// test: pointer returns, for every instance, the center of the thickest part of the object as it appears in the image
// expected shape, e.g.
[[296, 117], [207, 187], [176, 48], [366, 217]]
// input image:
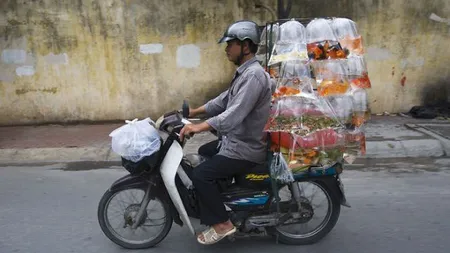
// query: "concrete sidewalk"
[[387, 137]]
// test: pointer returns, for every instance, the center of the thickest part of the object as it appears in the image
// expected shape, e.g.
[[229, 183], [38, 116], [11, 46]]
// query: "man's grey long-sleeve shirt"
[[240, 113]]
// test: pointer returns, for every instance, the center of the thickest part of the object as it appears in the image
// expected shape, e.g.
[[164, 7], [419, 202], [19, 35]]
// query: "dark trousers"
[[205, 176], [209, 149]]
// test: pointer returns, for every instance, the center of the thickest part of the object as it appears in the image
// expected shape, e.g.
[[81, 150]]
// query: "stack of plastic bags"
[[320, 103]]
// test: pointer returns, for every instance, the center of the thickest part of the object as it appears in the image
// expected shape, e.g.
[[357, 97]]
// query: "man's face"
[[233, 50]]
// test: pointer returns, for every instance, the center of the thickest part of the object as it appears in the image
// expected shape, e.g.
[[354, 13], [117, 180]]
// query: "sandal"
[[211, 236]]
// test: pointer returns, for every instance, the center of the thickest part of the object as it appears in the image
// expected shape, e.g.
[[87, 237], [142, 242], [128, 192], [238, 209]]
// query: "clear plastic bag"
[[302, 115], [331, 77], [324, 156], [322, 43], [269, 37], [357, 72], [322, 148], [291, 44], [293, 32], [347, 35], [343, 106], [274, 71], [355, 144], [319, 30], [326, 50], [135, 140], [308, 131], [361, 111], [279, 169], [295, 77]]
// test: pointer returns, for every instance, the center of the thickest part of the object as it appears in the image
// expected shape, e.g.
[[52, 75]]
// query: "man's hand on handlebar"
[[191, 129]]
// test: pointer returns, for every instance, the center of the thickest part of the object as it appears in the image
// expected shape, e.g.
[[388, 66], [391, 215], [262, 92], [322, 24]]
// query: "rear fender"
[[334, 184]]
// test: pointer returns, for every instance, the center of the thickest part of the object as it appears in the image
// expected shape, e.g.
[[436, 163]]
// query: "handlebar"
[[174, 121]]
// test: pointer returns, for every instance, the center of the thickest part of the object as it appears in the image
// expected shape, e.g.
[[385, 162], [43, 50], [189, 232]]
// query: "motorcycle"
[[158, 191]]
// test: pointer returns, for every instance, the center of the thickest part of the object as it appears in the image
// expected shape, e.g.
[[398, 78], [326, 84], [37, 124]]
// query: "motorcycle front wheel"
[[116, 215]]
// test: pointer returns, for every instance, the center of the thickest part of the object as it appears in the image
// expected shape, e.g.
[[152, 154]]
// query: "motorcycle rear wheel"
[[330, 220]]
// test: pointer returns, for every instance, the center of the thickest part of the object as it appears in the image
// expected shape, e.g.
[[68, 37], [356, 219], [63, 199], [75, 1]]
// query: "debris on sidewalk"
[[441, 111]]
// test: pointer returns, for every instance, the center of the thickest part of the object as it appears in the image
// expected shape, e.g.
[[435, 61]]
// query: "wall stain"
[[403, 81], [53, 90]]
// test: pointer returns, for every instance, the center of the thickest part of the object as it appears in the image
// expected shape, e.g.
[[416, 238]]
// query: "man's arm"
[[217, 105], [196, 111], [243, 102], [213, 107]]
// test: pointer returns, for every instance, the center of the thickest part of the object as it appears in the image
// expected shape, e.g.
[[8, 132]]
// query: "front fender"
[[129, 181]]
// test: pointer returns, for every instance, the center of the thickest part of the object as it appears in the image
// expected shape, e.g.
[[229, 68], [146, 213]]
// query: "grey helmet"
[[242, 30]]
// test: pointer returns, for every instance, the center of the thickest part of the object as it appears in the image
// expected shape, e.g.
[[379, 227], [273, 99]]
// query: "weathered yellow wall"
[[407, 53], [70, 60]]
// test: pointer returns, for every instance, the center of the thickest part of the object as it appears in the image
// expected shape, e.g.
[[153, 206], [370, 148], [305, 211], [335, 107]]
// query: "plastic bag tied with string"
[[280, 171], [343, 107], [268, 38], [294, 78], [322, 43], [360, 110], [274, 71], [331, 77], [329, 148], [135, 140], [357, 73], [291, 44], [355, 145], [347, 35]]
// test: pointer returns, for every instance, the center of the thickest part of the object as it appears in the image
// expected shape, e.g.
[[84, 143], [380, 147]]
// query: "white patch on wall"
[[436, 18], [57, 58], [151, 48], [7, 76], [412, 63], [378, 54], [25, 71], [188, 56], [14, 56]]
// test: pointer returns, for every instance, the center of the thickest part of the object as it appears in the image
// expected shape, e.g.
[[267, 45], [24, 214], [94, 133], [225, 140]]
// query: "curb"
[[444, 142], [375, 149], [57, 155], [404, 149]]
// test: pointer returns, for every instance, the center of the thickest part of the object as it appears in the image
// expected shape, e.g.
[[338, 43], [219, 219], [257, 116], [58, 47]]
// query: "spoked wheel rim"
[[121, 210], [316, 197]]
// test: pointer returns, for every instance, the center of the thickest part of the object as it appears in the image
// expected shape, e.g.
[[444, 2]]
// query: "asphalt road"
[[397, 206]]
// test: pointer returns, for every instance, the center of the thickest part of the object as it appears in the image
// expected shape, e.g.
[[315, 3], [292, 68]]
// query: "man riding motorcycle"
[[239, 114]]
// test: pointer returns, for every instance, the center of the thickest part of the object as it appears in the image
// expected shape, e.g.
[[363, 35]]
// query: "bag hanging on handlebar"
[[135, 140]]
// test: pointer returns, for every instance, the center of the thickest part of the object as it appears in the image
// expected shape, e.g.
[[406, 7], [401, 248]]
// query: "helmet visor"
[[225, 39]]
